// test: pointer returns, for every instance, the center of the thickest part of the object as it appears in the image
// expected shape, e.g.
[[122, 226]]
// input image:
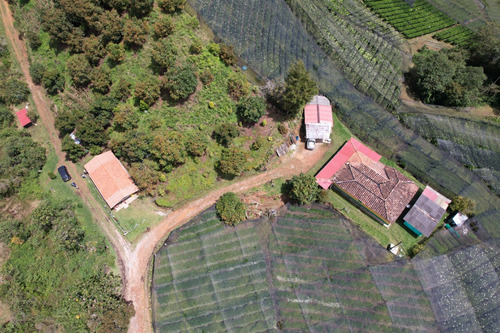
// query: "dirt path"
[[42, 104], [137, 269], [134, 262]]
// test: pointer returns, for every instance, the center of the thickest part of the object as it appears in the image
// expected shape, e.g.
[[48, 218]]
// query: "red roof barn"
[[22, 115], [356, 171]]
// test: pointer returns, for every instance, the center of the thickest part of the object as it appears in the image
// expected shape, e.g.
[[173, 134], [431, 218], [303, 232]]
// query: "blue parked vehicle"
[[63, 171]]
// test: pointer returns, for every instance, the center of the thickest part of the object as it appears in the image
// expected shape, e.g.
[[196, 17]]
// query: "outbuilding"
[[24, 120], [111, 178], [426, 213], [318, 119]]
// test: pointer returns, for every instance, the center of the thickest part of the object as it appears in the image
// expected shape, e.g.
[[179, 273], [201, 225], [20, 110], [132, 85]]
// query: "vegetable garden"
[[466, 12], [456, 35], [412, 21]]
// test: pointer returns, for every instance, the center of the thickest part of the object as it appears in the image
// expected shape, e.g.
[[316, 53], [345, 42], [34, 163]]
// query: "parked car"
[[63, 171], [310, 144]]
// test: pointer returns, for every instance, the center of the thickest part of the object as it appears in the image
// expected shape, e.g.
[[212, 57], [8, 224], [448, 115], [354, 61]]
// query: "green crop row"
[[457, 35], [412, 21]]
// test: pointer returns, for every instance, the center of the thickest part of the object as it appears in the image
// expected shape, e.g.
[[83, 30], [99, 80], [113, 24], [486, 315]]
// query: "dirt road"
[[42, 104], [134, 261]]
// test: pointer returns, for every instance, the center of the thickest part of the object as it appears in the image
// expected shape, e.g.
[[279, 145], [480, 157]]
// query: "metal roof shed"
[[318, 119]]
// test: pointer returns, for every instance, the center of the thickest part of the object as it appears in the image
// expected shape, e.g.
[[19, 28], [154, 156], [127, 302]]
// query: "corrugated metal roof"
[[425, 215], [111, 178], [22, 115]]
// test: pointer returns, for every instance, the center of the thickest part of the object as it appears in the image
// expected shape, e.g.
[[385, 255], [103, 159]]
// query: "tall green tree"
[[232, 162], [230, 209], [303, 189], [299, 89], [79, 69]]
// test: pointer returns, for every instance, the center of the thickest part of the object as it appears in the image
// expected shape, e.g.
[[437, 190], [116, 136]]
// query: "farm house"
[[318, 120], [426, 213], [24, 120], [111, 178], [356, 172]]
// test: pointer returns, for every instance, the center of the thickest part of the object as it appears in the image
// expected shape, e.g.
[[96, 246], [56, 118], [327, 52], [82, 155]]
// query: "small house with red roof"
[[318, 119], [111, 178], [22, 115], [427, 212], [357, 173]]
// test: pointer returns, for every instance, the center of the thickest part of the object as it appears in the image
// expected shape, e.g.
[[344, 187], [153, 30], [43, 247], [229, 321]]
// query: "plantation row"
[[467, 12], [412, 21], [457, 35], [345, 31]]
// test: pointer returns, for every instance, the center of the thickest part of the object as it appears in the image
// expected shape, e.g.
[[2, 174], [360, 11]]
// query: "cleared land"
[[310, 270]]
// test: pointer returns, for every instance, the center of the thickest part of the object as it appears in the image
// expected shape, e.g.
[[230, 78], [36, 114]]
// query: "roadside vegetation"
[[57, 268]]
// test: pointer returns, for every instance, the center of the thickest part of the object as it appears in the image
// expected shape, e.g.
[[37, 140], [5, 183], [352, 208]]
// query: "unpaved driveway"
[[134, 262]]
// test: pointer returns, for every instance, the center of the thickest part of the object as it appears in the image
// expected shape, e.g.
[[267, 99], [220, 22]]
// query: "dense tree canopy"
[[251, 109], [444, 78], [79, 69], [464, 205], [225, 133], [171, 6], [230, 209], [163, 54], [233, 162], [148, 90], [303, 189], [299, 89], [181, 83]]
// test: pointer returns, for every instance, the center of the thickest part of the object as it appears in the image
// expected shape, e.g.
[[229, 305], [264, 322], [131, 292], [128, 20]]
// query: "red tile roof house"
[[318, 119], [356, 172], [111, 178], [22, 115]]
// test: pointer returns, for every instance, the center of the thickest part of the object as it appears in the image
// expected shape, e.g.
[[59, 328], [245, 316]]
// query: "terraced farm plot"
[[470, 13], [456, 35], [360, 43], [412, 21]]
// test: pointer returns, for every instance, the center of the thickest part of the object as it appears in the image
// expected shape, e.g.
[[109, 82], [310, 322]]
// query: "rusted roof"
[[22, 115], [356, 170], [111, 178]]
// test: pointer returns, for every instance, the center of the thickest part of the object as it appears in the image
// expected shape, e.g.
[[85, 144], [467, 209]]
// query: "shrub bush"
[[182, 83], [171, 6], [36, 72], [302, 189], [251, 109], [230, 209], [227, 55], [225, 133], [164, 26]]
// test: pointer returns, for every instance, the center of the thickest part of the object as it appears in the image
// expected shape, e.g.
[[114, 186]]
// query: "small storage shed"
[[22, 115], [111, 178], [318, 119], [426, 213]]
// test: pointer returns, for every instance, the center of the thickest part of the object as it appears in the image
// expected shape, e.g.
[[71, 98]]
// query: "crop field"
[[359, 42], [463, 288], [270, 48], [311, 270], [456, 35], [412, 21], [467, 12], [473, 143]]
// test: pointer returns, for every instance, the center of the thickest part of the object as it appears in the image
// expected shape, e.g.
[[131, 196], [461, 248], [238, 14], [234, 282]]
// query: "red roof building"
[[111, 178], [318, 119], [356, 171], [22, 115]]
